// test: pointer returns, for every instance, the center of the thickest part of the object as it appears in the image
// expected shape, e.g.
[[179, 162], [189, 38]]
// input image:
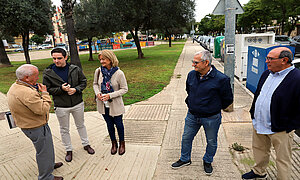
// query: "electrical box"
[[242, 41], [257, 63]]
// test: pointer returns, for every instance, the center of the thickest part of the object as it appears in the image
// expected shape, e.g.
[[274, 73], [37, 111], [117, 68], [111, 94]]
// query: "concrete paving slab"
[[153, 141], [148, 112]]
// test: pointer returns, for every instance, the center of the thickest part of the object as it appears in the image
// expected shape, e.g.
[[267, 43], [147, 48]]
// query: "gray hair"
[[205, 55], [25, 70], [287, 54]]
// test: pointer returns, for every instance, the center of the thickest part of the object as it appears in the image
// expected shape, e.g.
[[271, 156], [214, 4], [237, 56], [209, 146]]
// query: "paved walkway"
[[153, 130]]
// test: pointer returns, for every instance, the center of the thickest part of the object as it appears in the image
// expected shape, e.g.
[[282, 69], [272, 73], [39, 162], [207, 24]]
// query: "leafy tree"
[[172, 15], [67, 8], [4, 60], [88, 17], [19, 17], [282, 10], [135, 15], [255, 16], [38, 39], [212, 24]]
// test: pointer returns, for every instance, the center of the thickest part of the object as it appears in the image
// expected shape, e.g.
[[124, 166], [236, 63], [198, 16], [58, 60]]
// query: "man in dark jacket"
[[65, 82], [275, 114], [208, 91]]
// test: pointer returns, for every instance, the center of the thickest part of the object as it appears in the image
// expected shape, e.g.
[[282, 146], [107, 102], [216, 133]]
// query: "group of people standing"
[[30, 102], [274, 112], [275, 108]]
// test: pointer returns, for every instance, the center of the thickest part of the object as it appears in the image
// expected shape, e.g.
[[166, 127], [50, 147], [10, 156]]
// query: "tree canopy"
[[173, 15], [19, 17]]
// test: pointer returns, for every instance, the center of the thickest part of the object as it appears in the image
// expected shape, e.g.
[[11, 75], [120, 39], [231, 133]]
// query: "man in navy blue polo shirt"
[[208, 91]]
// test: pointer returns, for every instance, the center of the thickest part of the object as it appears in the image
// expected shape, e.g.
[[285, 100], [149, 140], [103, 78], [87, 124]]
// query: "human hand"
[[71, 91], [104, 97], [98, 96], [42, 87], [65, 86]]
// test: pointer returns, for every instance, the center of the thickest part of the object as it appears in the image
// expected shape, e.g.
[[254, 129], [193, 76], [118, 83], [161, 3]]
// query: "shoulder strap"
[[98, 73]]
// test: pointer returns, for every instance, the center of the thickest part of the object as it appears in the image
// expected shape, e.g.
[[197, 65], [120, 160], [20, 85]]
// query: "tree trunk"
[[4, 60], [137, 43], [25, 42], [95, 47], [283, 20], [90, 49], [67, 7], [169, 36]]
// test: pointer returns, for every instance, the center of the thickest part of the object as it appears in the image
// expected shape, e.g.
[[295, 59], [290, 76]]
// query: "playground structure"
[[112, 43]]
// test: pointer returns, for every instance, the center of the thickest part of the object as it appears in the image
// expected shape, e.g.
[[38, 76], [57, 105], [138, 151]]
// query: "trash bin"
[[217, 46], [257, 63], [296, 63]]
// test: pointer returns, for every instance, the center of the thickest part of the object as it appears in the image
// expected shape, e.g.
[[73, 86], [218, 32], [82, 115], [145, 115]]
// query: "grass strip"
[[145, 77]]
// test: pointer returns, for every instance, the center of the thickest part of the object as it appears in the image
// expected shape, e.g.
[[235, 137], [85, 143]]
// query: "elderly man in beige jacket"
[[29, 104]]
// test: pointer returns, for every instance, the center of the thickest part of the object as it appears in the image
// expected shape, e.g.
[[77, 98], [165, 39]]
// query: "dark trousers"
[[41, 138], [111, 122]]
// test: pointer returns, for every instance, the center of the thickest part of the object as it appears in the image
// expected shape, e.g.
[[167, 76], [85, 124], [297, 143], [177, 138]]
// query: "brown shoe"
[[69, 156], [114, 147], [58, 165], [122, 148], [89, 149], [58, 178]]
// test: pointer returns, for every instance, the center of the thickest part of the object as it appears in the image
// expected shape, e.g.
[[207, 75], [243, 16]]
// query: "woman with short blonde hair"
[[108, 54]]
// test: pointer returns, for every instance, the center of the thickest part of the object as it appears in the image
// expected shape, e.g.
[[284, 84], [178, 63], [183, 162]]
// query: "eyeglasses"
[[196, 62], [272, 59]]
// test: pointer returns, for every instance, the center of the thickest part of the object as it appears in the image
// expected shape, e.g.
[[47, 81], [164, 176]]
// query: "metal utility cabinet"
[[242, 41], [257, 63]]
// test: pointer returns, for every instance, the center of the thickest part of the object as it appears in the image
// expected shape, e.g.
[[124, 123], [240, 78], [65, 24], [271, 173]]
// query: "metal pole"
[[229, 61]]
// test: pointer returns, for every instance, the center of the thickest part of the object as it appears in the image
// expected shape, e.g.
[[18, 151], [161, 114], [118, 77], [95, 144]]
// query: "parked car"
[[282, 39], [285, 40], [15, 46], [22, 49], [296, 44], [296, 38], [211, 44], [62, 45], [205, 42], [44, 46]]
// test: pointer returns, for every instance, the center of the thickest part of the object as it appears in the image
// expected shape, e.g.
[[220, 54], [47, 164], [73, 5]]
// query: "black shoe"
[[180, 164], [208, 168], [68, 157], [58, 165], [89, 149], [252, 175]]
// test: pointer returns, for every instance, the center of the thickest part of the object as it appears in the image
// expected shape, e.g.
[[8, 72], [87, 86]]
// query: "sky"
[[203, 7]]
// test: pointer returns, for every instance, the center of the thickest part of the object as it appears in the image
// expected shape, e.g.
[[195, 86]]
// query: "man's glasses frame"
[[272, 59], [197, 62]]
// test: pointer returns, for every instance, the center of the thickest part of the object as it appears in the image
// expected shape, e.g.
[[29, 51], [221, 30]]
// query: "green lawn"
[[145, 77]]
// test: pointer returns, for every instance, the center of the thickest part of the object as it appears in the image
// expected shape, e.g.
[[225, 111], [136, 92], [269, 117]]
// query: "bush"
[[129, 36]]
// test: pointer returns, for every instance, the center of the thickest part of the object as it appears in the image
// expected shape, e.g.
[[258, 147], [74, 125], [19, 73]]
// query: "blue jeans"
[[111, 122], [192, 125]]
